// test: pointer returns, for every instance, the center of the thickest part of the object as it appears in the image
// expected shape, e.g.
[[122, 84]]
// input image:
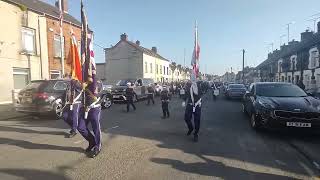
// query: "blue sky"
[[225, 27]]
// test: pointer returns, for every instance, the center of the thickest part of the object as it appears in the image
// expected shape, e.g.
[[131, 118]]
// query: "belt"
[[93, 105]]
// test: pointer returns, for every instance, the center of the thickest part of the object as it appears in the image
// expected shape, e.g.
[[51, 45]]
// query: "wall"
[[10, 48], [101, 71], [53, 28], [154, 75], [123, 62]]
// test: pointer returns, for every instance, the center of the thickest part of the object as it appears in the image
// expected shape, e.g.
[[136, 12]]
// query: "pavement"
[[140, 145]]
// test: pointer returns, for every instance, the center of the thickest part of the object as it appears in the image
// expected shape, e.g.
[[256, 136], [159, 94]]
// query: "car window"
[[60, 86]]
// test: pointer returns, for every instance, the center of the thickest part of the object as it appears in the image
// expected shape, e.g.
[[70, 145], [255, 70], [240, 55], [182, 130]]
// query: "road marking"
[[78, 142], [309, 171], [281, 162], [113, 127]]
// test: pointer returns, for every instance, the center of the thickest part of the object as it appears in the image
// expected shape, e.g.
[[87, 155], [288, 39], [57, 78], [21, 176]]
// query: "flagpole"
[[61, 38]]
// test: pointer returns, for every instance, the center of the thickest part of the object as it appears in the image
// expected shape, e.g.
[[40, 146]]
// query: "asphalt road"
[[140, 145]]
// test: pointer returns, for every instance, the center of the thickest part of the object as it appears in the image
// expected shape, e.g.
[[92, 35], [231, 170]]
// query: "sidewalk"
[[8, 112]]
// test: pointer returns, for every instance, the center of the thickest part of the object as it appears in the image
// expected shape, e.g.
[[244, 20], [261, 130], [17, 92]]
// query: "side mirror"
[[310, 94]]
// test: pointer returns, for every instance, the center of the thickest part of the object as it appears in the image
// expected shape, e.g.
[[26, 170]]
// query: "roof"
[[45, 8], [292, 49], [146, 51]]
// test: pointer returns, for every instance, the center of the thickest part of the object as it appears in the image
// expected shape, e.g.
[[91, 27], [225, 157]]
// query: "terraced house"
[[30, 43], [294, 62]]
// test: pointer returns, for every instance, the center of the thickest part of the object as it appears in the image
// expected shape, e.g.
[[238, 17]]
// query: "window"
[[160, 69], [55, 74], [157, 68], [164, 70], [20, 78], [151, 68], [167, 70], [280, 66], [60, 85], [314, 57], [57, 46], [146, 67], [28, 40]]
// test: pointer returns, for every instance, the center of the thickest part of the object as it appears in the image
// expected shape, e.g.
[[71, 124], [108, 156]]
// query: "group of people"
[[81, 108]]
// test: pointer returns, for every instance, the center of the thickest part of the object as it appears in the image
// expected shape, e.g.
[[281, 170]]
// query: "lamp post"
[[288, 28]]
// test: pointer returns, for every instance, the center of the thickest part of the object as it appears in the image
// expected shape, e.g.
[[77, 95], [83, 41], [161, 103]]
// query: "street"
[[140, 145]]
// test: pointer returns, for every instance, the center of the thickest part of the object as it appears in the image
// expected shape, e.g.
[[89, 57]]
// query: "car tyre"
[[58, 110], [254, 122], [106, 102]]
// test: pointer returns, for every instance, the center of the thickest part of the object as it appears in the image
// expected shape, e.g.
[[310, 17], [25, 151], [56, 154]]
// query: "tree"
[[173, 67]]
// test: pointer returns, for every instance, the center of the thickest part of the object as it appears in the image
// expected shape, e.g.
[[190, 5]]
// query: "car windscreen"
[[236, 86], [279, 90], [124, 82]]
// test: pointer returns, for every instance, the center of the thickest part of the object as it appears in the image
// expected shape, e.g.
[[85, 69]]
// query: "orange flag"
[[76, 71]]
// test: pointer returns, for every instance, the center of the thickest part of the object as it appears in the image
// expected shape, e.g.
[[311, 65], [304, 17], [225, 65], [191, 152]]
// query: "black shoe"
[[94, 152], [195, 138], [72, 134], [89, 148], [189, 132]]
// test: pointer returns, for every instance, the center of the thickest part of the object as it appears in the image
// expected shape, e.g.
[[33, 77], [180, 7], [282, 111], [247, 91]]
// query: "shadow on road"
[[30, 145], [31, 174], [24, 130]]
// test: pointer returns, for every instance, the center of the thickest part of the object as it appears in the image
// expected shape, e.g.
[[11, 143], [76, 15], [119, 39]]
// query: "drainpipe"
[[40, 54]]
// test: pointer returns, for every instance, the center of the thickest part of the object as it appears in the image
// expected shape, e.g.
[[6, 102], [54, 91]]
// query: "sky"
[[225, 27]]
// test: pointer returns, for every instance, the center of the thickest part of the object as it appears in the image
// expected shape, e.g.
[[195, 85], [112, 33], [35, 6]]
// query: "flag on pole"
[[76, 69], [195, 57]]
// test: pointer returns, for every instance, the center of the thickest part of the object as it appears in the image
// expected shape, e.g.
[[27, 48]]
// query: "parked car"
[[235, 91], [139, 87], [45, 97], [281, 105], [39, 97]]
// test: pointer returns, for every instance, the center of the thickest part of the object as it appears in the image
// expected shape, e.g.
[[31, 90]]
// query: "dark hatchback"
[[281, 105], [38, 97]]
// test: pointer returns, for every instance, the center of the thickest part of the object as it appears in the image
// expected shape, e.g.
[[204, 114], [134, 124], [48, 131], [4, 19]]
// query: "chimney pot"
[[154, 49], [64, 4], [138, 42], [124, 37]]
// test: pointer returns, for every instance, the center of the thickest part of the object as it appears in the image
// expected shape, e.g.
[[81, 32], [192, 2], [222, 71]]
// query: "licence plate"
[[27, 100], [298, 124], [116, 96]]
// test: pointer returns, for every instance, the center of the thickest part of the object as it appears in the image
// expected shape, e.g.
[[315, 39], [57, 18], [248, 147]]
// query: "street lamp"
[[288, 27]]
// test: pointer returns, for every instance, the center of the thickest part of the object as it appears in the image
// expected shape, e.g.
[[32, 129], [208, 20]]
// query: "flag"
[[195, 57], [76, 69], [87, 59]]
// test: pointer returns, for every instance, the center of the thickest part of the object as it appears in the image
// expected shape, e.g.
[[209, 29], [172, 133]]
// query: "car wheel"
[[58, 110], [254, 122], [106, 103]]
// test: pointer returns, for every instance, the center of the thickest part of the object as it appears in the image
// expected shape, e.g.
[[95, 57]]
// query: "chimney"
[[138, 42], [306, 35], [64, 5], [124, 37], [154, 49]]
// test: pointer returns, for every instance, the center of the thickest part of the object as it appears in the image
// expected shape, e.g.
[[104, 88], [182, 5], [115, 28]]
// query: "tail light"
[[41, 95]]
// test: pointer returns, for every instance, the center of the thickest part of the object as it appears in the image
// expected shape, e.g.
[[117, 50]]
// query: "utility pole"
[[243, 51], [288, 28]]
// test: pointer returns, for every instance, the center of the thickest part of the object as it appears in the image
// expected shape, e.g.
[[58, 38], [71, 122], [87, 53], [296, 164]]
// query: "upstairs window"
[[28, 40], [146, 67], [151, 68]]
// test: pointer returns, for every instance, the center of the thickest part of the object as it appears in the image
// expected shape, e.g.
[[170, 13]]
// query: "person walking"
[[165, 98], [151, 92], [192, 102], [129, 97], [72, 100]]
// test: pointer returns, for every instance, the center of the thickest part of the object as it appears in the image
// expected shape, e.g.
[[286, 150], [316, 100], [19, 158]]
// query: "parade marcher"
[[165, 98], [151, 92], [193, 107], [72, 101], [129, 97]]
